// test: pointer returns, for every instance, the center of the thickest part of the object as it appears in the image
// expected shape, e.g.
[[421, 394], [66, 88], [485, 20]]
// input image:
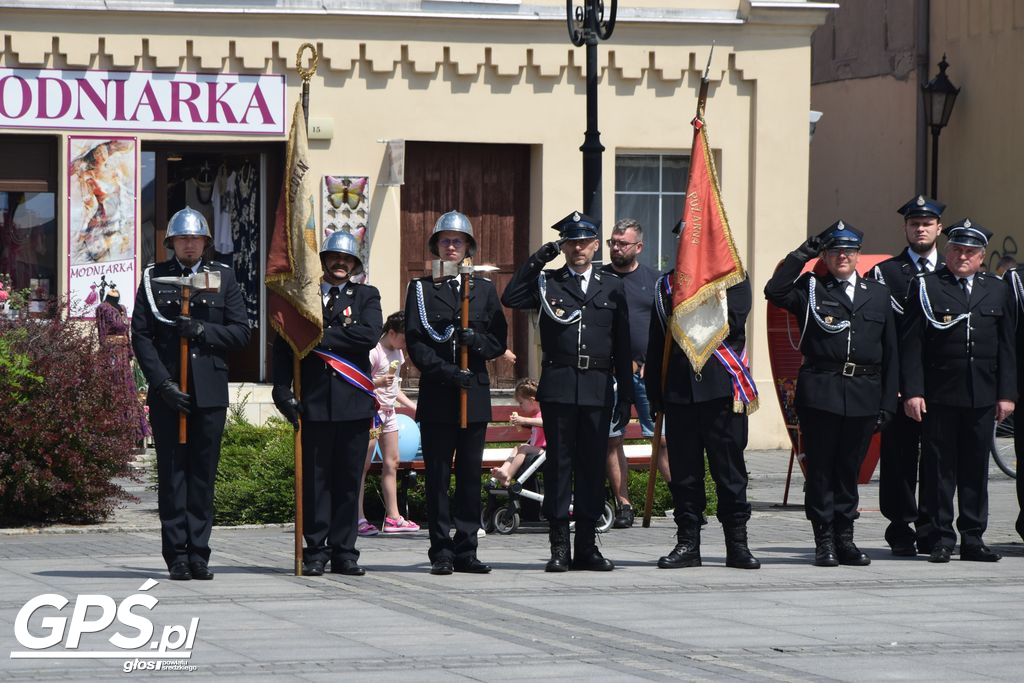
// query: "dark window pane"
[[643, 208], [672, 211], [636, 173], [28, 242], [673, 173]]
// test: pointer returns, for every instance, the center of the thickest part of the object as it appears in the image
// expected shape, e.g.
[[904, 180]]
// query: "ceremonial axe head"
[[445, 269], [206, 281]]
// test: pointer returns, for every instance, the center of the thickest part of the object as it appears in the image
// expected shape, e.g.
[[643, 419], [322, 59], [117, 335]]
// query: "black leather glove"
[[655, 405], [465, 379], [466, 337], [884, 418], [623, 411], [173, 396], [287, 404], [810, 248], [189, 328], [549, 252]]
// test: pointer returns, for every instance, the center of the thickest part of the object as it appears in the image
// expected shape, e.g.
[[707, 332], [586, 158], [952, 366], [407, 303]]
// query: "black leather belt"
[[580, 362], [846, 369]]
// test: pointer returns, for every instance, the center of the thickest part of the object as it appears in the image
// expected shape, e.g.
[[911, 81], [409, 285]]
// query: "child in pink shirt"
[[386, 361], [526, 396]]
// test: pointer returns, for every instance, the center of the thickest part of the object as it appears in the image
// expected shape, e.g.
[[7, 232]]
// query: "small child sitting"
[[526, 396]]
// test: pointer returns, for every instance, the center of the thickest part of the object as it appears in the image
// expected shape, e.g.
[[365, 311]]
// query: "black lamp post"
[[587, 25], [939, 97]]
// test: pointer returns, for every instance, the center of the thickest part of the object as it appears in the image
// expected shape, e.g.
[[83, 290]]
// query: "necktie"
[[923, 266], [186, 271], [332, 299], [579, 281], [454, 284], [964, 287], [847, 289]]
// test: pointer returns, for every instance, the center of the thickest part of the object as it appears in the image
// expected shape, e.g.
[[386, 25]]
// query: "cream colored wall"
[[515, 83], [981, 151], [862, 157]]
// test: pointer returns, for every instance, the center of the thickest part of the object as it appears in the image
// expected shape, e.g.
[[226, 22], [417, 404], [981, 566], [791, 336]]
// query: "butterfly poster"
[[346, 206]]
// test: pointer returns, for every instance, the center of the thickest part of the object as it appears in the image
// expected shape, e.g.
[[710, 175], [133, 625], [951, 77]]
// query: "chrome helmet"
[[343, 242], [187, 222], [455, 222]]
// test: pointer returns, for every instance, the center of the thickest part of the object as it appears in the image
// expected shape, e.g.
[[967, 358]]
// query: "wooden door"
[[491, 185]]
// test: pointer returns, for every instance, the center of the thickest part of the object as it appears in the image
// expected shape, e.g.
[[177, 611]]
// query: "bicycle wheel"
[[1003, 452], [607, 517]]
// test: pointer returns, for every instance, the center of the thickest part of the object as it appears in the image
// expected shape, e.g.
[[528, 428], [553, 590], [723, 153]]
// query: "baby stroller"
[[508, 505]]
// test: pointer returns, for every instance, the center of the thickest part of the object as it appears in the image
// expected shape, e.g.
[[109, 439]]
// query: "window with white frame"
[[650, 188]]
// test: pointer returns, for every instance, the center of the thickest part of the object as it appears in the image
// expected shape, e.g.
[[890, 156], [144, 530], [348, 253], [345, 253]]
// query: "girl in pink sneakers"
[[386, 361]]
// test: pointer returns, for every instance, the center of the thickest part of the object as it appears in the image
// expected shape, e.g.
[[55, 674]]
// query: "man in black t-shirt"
[[640, 283]]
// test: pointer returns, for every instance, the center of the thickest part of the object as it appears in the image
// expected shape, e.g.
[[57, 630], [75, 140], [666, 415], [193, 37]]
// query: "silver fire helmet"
[[455, 222], [185, 223], [343, 242]]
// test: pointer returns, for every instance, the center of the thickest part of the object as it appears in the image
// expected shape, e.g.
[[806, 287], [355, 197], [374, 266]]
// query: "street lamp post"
[[939, 97], [587, 25]]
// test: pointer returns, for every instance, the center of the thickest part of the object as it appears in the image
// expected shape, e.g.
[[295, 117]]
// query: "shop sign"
[[142, 101]]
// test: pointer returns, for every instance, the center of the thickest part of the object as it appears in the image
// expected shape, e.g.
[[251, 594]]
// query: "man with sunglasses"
[[639, 282], [848, 381]]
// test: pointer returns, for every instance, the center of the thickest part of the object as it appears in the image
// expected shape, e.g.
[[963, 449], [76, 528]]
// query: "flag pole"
[[652, 471], [305, 75]]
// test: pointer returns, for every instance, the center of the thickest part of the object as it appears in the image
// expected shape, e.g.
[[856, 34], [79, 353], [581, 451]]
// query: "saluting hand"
[[549, 252]]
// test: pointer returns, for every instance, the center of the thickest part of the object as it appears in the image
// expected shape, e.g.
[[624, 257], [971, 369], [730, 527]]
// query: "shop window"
[[28, 217], [651, 188]]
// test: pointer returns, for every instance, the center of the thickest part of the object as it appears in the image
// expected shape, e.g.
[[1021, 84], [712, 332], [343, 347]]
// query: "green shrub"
[[256, 476]]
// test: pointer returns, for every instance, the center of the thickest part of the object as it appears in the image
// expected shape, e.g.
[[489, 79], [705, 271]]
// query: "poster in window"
[[346, 206], [102, 185]]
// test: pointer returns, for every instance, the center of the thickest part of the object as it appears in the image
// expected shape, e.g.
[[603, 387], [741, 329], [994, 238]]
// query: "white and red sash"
[[353, 375]]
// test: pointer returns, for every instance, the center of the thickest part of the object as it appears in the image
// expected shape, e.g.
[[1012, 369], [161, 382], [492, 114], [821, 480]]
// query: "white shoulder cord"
[[542, 286], [926, 308], [148, 286], [1018, 288], [892, 299], [434, 334], [830, 328]]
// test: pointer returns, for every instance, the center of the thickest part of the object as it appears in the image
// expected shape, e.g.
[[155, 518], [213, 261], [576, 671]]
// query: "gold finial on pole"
[[305, 74]]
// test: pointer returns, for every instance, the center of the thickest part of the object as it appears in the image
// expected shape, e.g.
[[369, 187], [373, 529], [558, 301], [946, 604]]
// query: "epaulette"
[[870, 282]]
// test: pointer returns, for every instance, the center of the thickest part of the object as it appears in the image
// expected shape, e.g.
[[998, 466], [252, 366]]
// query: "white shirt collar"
[[931, 257], [586, 274], [194, 268]]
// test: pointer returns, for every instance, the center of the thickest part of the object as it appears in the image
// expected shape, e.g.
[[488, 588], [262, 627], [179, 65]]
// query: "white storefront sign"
[[142, 101]]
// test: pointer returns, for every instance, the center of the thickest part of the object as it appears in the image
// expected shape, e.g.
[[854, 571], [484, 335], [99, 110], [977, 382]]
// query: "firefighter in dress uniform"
[[900, 466], [216, 324], [704, 414], [847, 384], [433, 337], [584, 330], [337, 408], [959, 377]]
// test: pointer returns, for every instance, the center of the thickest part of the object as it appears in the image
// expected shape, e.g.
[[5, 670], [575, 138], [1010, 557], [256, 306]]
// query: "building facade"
[[115, 115]]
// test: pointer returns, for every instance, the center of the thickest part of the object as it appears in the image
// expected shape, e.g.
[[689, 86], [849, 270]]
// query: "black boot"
[[558, 535], [847, 551], [737, 554], [687, 550], [824, 546], [587, 556]]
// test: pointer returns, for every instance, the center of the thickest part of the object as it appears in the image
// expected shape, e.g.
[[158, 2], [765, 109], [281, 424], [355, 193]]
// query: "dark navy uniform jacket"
[[599, 340], [871, 340], [157, 344], [896, 273], [351, 332], [682, 386], [438, 361], [958, 366]]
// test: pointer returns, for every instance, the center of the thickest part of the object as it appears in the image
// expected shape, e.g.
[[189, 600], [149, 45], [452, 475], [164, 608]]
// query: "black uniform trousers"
[[956, 444], [834, 446], [185, 478], [1018, 451], [440, 440], [576, 453], [707, 427], [332, 466], [900, 469]]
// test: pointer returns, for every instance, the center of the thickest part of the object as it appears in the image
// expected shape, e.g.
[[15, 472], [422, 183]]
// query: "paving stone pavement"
[[899, 618]]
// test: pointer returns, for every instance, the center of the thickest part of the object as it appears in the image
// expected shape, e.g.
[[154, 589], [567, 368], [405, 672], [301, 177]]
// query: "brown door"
[[491, 185]]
